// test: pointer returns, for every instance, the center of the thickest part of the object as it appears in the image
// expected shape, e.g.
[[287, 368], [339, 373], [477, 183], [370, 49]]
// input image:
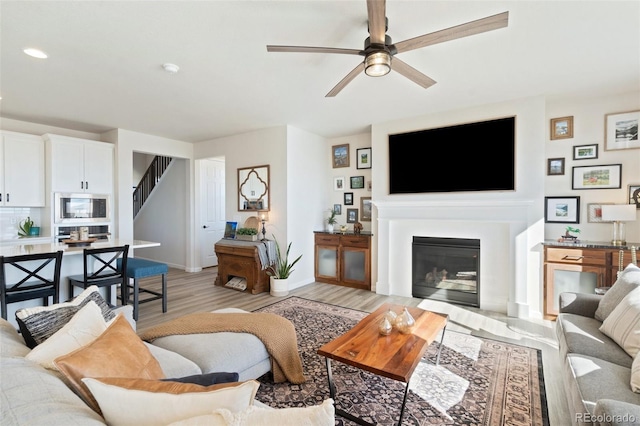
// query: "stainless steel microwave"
[[81, 208]]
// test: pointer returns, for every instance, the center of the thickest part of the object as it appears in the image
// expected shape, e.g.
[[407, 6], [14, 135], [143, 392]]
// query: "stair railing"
[[149, 181]]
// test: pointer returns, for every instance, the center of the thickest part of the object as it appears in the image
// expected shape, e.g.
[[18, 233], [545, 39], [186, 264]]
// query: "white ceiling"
[[104, 69]]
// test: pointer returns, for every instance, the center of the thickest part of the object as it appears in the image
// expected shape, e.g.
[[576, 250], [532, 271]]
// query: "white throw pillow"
[[123, 406], [623, 324], [83, 328], [318, 415], [635, 374]]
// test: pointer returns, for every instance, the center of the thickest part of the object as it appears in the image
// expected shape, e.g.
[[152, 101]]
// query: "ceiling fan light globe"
[[377, 64]]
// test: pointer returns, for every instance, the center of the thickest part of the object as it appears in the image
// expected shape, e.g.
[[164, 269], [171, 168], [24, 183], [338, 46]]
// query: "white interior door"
[[213, 209]]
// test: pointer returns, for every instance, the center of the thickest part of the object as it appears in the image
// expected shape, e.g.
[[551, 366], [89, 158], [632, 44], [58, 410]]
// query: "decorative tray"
[[79, 243]]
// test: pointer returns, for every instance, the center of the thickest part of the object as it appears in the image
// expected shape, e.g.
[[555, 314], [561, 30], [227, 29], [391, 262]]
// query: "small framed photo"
[[338, 209], [348, 198], [634, 194], [357, 182], [562, 209], [352, 215], [621, 131], [338, 183], [340, 155], [562, 128], [363, 158], [606, 176], [594, 212], [555, 166], [585, 152], [365, 208], [369, 185]]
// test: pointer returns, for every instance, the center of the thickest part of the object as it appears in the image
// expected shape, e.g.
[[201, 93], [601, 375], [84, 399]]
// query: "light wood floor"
[[195, 292]]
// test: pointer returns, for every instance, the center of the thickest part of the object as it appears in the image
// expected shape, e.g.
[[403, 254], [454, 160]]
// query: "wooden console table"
[[241, 259], [580, 267]]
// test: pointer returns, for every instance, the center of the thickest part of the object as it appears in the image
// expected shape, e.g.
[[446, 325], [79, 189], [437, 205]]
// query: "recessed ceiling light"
[[171, 68], [36, 53]]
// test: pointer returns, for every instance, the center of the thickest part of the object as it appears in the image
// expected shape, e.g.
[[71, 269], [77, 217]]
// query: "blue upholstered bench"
[[142, 268]]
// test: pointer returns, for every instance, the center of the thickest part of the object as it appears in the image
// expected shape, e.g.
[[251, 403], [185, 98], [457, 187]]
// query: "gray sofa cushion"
[[628, 280], [32, 395], [596, 379], [215, 352], [581, 335]]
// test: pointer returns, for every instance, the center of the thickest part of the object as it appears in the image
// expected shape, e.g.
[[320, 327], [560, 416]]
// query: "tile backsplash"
[[10, 218]]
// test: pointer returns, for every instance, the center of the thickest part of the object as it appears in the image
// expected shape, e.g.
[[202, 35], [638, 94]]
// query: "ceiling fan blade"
[[489, 23], [305, 49], [353, 74], [377, 20], [411, 73]]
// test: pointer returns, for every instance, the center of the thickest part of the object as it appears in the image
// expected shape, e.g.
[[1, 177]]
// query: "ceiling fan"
[[379, 51]]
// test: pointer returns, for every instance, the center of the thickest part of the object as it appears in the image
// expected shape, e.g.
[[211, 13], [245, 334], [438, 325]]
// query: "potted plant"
[[247, 234], [280, 270], [26, 228], [331, 220]]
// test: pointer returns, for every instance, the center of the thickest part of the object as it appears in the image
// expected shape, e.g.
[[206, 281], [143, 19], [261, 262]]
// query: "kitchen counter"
[[37, 247]]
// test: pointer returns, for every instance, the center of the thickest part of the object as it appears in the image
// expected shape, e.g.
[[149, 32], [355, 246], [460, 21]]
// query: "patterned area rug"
[[478, 382]]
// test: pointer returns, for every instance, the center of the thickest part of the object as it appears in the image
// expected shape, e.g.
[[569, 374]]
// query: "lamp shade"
[[618, 212]]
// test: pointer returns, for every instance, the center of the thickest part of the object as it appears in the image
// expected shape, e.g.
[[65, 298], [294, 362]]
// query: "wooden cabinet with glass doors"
[[343, 259]]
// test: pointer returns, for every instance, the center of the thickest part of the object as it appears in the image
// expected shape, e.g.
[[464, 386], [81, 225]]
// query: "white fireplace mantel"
[[509, 232]]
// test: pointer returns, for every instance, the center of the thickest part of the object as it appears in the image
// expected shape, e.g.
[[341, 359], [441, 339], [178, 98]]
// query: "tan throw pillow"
[[635, 374], [318, 415], [623, 323], [118, 352], [83, 328], [628, 281], [150, 402]]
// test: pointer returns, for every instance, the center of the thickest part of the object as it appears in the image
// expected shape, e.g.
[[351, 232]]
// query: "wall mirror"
[[253, 188]]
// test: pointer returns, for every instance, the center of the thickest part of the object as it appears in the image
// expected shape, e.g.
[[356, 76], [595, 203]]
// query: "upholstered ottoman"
[[241, 353]]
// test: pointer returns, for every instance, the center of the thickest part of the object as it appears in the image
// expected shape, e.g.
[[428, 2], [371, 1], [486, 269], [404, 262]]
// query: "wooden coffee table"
[[395, 356]]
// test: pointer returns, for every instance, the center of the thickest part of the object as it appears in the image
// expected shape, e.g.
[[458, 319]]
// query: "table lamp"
[[264, 217], [618, 214]]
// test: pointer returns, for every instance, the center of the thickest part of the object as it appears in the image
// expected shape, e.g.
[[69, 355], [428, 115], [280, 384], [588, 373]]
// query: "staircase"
[[149, 181]]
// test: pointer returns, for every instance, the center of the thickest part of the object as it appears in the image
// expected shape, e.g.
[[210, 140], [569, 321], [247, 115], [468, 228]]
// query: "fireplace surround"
[[446, 269]]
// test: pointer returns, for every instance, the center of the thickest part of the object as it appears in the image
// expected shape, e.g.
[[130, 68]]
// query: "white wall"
[[589, 128], [307, 178]]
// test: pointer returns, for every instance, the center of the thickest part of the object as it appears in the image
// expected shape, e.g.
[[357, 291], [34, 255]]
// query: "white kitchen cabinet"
[[80, 166], [22, 177]]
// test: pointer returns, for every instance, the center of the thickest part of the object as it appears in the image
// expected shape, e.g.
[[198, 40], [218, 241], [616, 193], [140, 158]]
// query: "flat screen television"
[[467, 157]]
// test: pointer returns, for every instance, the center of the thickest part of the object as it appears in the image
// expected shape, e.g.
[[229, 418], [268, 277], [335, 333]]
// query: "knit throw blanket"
[[276, 333]]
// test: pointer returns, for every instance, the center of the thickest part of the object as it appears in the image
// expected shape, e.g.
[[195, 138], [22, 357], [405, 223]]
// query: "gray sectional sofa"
[[32, 395], [596, 371]]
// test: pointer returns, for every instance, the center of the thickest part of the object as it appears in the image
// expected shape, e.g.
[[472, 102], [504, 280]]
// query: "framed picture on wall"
[[352, 215], [621, 131], [562, 209], [562, 128], [606, 176], [594, 212], [348, 198], [555, 166], [585, 152], [365, 208], [357, 182], [338, 183], [634, 194], [340, 155], [363, 157], [337, 208]]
